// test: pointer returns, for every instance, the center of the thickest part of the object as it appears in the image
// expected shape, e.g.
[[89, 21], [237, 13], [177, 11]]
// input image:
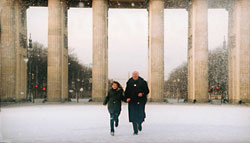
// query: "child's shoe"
[[112, 133], [135, 133]]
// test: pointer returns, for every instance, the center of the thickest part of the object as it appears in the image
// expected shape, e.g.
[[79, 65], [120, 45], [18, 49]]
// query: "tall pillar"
[[8, 50], [156, 49], [100, 49], [231, 52], [1, 5], [239, 51], [21, 49], [13, 50], [57, 51], [64, 12], [198, 51]]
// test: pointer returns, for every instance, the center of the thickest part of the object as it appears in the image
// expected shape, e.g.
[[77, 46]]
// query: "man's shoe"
[[116, 123], [139, 127]]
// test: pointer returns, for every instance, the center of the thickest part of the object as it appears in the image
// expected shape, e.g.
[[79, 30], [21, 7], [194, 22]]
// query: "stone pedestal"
[[198, 51], [100, 50], [156, 49]]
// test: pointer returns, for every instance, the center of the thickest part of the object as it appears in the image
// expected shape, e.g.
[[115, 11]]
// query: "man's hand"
[[140, 94], [128, 100]]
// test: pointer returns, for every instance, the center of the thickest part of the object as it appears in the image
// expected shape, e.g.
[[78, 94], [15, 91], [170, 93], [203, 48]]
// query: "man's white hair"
[[135, 72]]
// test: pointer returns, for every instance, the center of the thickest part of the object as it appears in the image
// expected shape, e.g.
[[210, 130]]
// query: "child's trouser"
[[113, 119]]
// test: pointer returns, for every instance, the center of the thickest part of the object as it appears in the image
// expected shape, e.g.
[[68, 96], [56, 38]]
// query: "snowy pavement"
[[80, 123]]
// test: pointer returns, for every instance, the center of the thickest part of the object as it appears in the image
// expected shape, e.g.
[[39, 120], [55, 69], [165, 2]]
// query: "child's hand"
[[140, 94], [128, 100]]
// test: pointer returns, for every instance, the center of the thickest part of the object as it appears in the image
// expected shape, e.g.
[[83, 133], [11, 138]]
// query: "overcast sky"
[[128, 36]]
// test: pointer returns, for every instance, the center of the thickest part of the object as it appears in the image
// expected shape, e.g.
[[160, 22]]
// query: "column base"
[[98, 99], [57, 100], [239, 101], [198, 100], [14, 100], [156, 100]]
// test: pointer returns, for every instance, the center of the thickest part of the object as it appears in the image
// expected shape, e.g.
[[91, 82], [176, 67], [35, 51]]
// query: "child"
[[113, 99]]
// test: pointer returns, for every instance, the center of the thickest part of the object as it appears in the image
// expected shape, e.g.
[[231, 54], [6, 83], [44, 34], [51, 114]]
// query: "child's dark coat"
[[114, 99]]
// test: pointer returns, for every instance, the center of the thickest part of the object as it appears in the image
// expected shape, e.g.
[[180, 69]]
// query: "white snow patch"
[[90, 123]]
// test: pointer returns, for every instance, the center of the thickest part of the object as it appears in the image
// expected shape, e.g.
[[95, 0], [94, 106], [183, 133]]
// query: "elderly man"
[[136, 95]]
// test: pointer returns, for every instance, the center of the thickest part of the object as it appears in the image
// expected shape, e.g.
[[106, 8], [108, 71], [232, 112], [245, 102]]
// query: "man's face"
[[135, 75]]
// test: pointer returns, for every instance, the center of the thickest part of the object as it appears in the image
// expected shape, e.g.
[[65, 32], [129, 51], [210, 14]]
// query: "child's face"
[[114, 86]]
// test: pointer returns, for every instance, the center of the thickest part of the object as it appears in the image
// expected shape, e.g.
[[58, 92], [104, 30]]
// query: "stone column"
[[231, 47], [198, 51], [190, 59], [1, 5], [13, 50], [57, 52], [21, 49], [100, 49], [8, 50], [65, 69], [156, 49], [239, 51]]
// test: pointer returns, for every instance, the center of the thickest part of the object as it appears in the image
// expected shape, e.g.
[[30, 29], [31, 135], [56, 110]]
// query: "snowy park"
[[87, 123]]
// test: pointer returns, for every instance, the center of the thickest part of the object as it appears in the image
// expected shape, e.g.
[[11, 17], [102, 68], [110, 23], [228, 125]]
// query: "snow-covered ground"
[[66, 123]]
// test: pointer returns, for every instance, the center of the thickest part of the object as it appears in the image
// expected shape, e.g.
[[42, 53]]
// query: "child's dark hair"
[[118, 84]]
